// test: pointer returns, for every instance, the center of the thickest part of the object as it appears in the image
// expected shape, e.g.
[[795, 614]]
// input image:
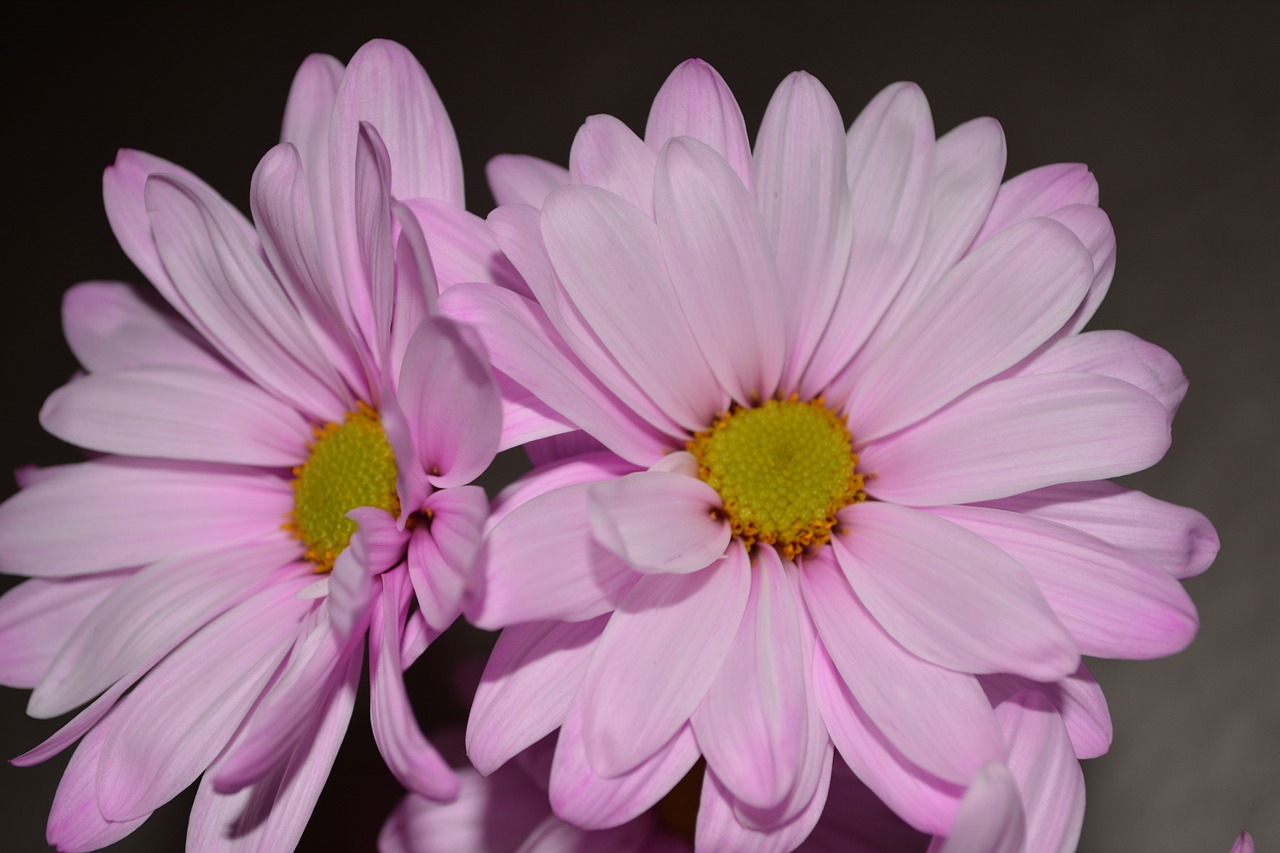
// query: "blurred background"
[[1176, 109]]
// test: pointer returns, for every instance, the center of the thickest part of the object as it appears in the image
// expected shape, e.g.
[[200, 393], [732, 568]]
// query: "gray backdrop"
[[1174, 108]]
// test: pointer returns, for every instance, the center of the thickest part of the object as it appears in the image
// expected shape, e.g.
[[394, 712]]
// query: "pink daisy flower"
[[282, 455], [851, 449]]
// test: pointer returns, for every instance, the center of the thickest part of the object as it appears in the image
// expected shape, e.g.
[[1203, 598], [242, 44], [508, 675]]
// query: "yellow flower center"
[[783, 469], [350, 465]]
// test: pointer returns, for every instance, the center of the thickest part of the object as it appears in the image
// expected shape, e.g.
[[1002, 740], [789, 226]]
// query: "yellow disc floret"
[[783, 469], [350, 465]]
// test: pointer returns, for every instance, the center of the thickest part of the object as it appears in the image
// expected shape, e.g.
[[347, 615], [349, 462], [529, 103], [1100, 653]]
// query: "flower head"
[[285, 445], [850, 449]]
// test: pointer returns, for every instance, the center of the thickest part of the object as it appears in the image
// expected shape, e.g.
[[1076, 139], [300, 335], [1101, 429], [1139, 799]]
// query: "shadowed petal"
[[34, 616], [521, 179], [658, 521], [991, 818], [110, 326]]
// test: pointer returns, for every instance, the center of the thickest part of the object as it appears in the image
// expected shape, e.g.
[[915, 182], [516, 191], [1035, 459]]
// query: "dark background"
[[1174, 108]]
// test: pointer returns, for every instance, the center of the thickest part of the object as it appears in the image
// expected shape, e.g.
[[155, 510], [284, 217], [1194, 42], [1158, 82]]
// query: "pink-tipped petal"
[[991, 818], [1178, 539], [592, 237], [722, 265], [75, 821], [420, 826], [719, 829], [234, 300], [1019, 434], [1243, 843], [462, 247], [968, 163], [1038, 192], [1046, 770], [385, 86], [307, 112], [1117, 354], [986, 314], [521, 179], [528, 686], [747, 725], [181, 716], [1079, 702], [658, 521], [608, 155], [110, 326], [149, 614], [802, 191], [658, 655], [523, 344], [271, 814], [921, 799], [541, 562], [177, 413], [34, 616], [889, 157], [950, 596], [584, 798], [939, 719], [132, 512], [695, 102], [1116, 605], [412, 760]]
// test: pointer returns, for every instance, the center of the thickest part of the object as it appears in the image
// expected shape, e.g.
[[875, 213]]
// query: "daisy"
[[281, 460], [851, 449]]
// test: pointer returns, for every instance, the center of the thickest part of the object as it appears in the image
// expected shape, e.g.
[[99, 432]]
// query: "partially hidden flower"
[[850, 458], [283, 444]]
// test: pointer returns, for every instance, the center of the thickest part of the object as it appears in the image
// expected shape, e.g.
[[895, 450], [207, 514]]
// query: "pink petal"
[[416, 292], [658, 655], [1019, 434], [308, 110], [1078, 699], [234, 300], [149, 614], [584, 798], [889, 152], [541, 562], [590, 467], [720, 830], [181, 716], [1038, 192], [75, 822], [1046, 770], [523, 345], [462, 247], [986, 314], [1093, 228], [921, 799], [271, 814], [386, 87], [521, 179], [284, 211], [938, 719], [109, 326], [803, 196], [368, 284], [456, 530], [528, 686], [1178, 539], [747, 725], [606, 154], [123, 189], [1116, 354], [608, 255], [695, 102], [991, 817], [1115, 604], [131, 512], [377, 545], [721, 263], [420, 826], [658, 521], [412, 760], [318, 664], [437, 586], [555, 836], [35, 617], [177, 413], [949, 596], [1243, 844], [451, 402], [968, 163]]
